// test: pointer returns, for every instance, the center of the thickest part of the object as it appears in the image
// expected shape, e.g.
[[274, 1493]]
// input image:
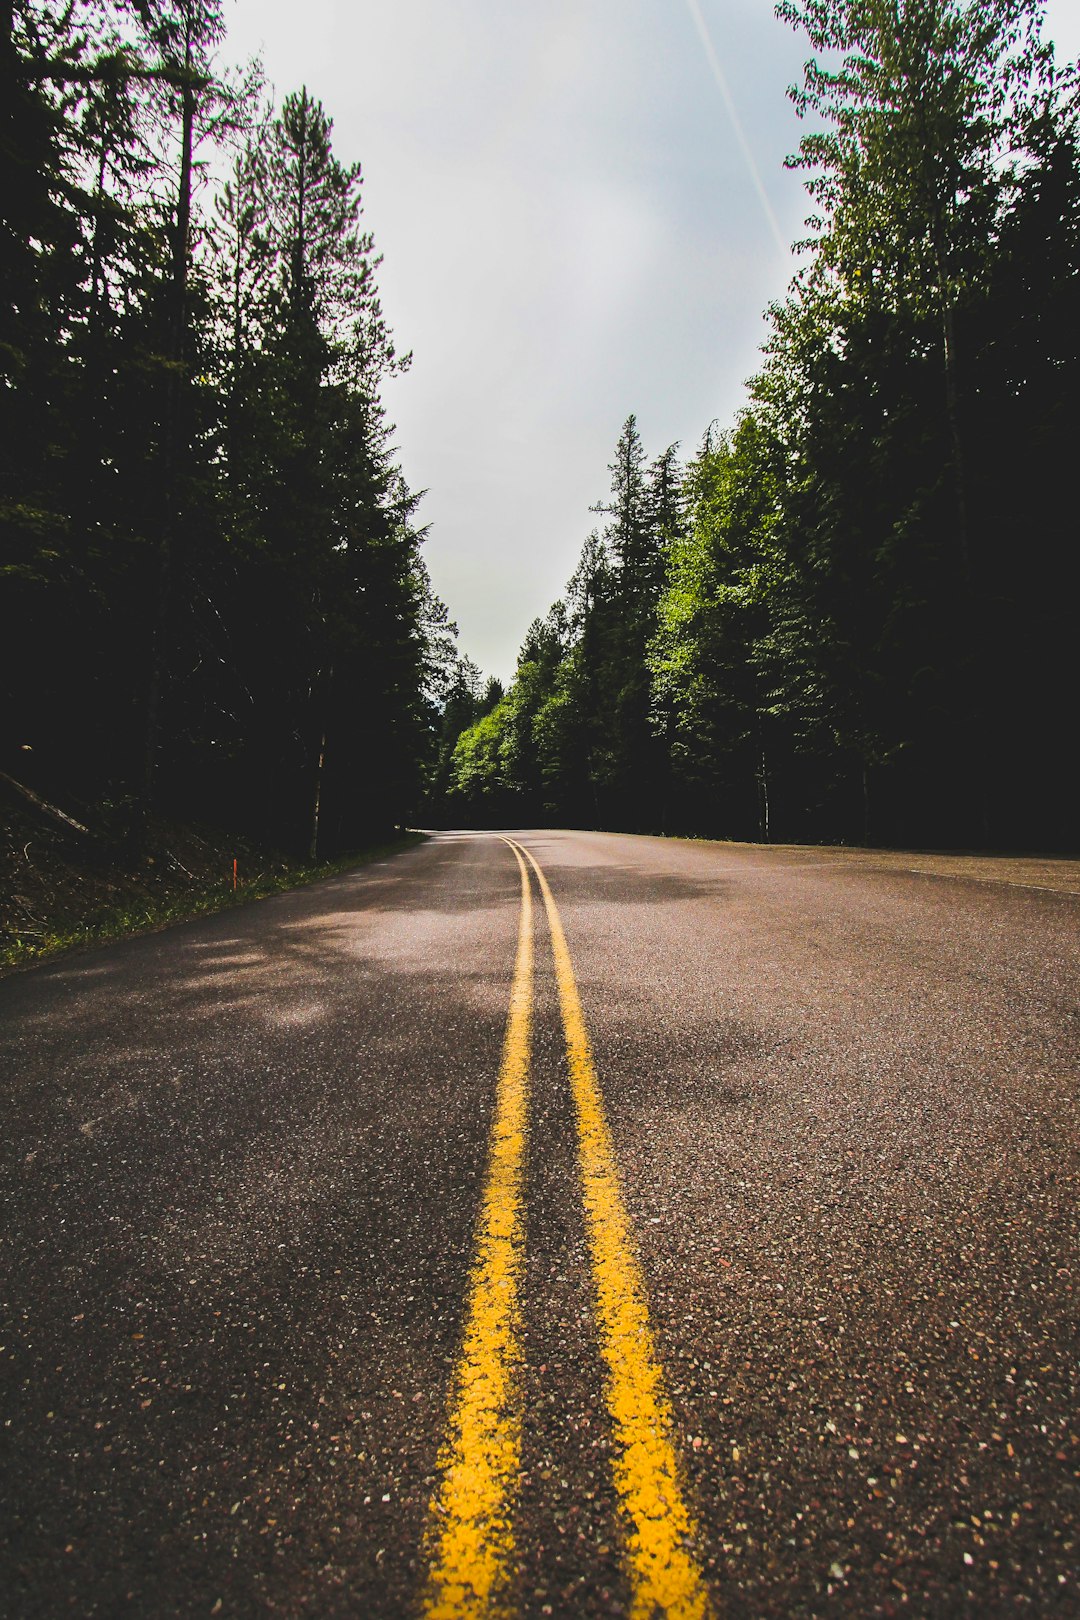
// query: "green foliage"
[[849, 618], [572, 739]]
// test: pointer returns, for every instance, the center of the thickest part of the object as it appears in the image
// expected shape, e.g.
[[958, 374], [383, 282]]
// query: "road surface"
[[559, 1224]]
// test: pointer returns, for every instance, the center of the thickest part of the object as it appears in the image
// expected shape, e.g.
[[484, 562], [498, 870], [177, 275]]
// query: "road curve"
[[552, 1224]]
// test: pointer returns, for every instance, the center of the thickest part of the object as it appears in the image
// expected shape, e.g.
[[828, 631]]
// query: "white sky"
[[579, 205]]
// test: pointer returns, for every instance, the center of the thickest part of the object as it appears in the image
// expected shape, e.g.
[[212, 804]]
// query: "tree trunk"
[[763, 798], [972, 715], [300, 246], [95, 246], [8, 74], [177, 343], [313, 847]]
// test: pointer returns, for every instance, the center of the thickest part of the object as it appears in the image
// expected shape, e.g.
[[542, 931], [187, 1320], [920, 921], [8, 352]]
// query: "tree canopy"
[[849, 616], [846, 615], [214, 602]]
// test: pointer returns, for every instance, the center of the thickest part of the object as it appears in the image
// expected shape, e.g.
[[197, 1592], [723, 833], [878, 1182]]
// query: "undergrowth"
[[59, 895]]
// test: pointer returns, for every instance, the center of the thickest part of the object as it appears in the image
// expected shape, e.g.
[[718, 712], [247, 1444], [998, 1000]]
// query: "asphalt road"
[[344, 1263]]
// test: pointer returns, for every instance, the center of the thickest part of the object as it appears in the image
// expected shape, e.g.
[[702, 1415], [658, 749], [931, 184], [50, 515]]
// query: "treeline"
[[853, 615], [213, 601]]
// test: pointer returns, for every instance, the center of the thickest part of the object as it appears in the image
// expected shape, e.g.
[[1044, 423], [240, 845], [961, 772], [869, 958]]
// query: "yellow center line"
[[470, 1531], [665, 1577]]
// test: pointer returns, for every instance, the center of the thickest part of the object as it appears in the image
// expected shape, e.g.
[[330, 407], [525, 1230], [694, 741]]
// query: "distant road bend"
[[553, 1223]]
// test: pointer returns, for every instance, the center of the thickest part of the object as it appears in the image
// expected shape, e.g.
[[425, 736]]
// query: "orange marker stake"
[[234, 874]]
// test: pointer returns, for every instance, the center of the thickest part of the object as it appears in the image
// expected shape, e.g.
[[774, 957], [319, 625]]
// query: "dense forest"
[[848, 616], [213, 601], [851, 615]]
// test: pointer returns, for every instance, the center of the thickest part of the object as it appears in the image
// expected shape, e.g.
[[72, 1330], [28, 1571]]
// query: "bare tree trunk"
[[313, 847]]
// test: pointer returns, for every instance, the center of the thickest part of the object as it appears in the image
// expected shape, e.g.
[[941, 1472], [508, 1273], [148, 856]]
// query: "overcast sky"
[[584, 212]]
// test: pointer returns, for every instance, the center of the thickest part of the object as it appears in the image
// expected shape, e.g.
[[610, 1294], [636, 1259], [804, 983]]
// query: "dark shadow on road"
[[240, 1177], [277, 947]]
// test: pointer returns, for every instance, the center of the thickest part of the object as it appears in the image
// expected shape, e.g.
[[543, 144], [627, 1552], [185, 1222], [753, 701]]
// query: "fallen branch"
[[43, 804]]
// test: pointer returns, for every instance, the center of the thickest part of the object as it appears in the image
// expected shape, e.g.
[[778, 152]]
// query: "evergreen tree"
[[925, 123], [198, 495]]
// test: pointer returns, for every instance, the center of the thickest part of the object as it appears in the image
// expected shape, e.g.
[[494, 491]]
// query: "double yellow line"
[[471, 1535]]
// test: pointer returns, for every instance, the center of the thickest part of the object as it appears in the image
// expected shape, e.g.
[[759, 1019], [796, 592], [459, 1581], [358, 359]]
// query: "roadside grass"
[[182, 899]]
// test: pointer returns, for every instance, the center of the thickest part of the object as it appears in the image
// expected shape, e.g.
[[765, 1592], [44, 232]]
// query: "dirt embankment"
[[66, 881]]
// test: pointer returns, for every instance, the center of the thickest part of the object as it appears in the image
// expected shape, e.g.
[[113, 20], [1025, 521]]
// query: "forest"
[[213, 602], [850, 615], [846, 616]]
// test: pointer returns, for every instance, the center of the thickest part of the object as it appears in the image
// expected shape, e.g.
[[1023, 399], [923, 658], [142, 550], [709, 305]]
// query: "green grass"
[[149, 914]]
